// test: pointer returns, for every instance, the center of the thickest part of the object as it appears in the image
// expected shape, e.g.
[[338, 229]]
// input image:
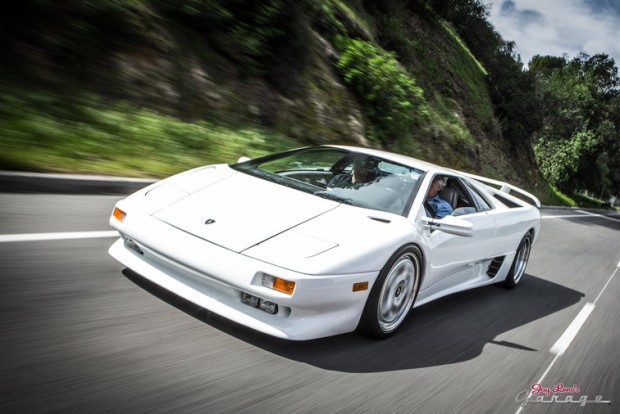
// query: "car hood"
[[241, 211], [347, 239]]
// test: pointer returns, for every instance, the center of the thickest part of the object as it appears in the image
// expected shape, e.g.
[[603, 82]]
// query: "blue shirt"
[[442, 207]]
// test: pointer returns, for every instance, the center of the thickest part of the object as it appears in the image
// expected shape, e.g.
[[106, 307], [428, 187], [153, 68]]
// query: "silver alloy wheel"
[[398, 292], [522, 257]]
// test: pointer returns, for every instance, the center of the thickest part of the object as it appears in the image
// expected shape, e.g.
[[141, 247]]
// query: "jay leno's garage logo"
[[558, 394]]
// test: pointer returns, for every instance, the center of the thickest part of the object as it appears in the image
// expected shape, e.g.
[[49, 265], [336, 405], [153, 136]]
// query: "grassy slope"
[[453, 82], [83, 132], [44, 132]]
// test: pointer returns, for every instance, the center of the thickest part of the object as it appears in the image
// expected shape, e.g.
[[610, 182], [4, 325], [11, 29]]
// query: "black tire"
[[393, 294], [517, 270]]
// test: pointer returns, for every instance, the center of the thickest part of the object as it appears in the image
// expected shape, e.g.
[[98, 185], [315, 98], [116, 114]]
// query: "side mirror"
[[450, 225], [242, 159]]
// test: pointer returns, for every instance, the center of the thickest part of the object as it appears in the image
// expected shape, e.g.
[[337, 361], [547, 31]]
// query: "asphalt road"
[[79, 335]]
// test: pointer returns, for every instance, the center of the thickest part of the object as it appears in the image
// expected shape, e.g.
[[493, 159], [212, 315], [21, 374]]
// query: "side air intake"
[[495, 265]]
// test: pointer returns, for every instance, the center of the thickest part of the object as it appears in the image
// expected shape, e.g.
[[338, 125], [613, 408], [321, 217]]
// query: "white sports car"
[[324, 240]]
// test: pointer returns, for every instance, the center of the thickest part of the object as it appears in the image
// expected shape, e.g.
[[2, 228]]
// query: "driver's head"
[[437, 185], [363, 167]]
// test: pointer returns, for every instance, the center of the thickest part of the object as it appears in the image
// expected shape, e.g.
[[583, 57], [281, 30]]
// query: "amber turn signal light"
[[360, 286], [119, 214], [283, 285], [278, 284]]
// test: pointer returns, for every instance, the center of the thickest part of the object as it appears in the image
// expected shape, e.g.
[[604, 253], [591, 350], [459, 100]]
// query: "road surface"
[[79, 335]]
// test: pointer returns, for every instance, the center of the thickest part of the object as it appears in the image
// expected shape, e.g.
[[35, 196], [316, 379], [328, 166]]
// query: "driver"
[[435, 206], [364, 171]]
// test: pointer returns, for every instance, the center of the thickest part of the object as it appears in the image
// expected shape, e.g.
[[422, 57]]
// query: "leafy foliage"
[[393, 102], [513, 93], [568, 109], [512, 89], [578, 148], [560, 159]]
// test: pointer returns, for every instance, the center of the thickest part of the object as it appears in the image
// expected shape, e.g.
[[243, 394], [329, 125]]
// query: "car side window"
[[481, 203]]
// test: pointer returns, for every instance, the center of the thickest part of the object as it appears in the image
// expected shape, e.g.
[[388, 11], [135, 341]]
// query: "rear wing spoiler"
[[506, 188]]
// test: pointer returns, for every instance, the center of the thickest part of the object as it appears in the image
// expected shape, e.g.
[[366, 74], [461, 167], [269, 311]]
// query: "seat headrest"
[[450, 195]]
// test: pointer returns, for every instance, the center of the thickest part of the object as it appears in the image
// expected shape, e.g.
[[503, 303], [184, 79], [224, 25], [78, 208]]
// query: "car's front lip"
[[214, 278]]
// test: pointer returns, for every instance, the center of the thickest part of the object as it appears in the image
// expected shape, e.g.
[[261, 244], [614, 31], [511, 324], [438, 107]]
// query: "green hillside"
[[149, 87]]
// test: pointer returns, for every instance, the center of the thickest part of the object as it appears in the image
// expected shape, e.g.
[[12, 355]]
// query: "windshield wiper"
[[334, 197]]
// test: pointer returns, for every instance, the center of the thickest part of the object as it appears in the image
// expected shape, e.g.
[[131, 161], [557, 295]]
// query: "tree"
[[578, 146], [512, 89]]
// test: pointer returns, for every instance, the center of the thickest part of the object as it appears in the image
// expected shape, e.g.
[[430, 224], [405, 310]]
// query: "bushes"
[[393, 103], [560, 160]]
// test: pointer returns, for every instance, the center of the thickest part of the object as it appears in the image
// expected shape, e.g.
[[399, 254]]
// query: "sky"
[[558, 27]]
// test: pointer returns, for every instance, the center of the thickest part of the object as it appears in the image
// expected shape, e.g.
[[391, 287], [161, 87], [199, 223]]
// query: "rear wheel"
[[393, 294], [515, 274]]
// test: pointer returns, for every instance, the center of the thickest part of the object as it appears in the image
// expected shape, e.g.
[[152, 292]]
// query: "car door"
[[456, 262]]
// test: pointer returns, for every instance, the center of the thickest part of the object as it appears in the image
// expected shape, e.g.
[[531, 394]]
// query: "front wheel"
[[393, 294], [515, 274]]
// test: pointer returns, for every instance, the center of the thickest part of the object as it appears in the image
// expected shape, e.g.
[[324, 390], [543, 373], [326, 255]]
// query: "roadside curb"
[[28, 182]]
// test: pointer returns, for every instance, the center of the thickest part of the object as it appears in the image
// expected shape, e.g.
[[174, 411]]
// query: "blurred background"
[[147, 88]]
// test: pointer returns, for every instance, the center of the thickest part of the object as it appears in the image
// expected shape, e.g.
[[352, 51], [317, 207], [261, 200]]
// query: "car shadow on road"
[[450, 330]]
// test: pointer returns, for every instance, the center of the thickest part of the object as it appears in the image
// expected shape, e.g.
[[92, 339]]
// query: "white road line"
[[606, 284], [561, 345], [585, 214], [604, 216], [569, 334], [10, 238]]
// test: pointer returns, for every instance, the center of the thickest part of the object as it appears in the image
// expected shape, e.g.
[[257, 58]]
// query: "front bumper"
[[215, 278]]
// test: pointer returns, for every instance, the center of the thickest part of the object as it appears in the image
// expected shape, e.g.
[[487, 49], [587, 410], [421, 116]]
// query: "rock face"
[[179, 82]]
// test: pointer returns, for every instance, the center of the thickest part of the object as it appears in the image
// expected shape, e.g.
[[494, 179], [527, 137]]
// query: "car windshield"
[[345, 176]]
